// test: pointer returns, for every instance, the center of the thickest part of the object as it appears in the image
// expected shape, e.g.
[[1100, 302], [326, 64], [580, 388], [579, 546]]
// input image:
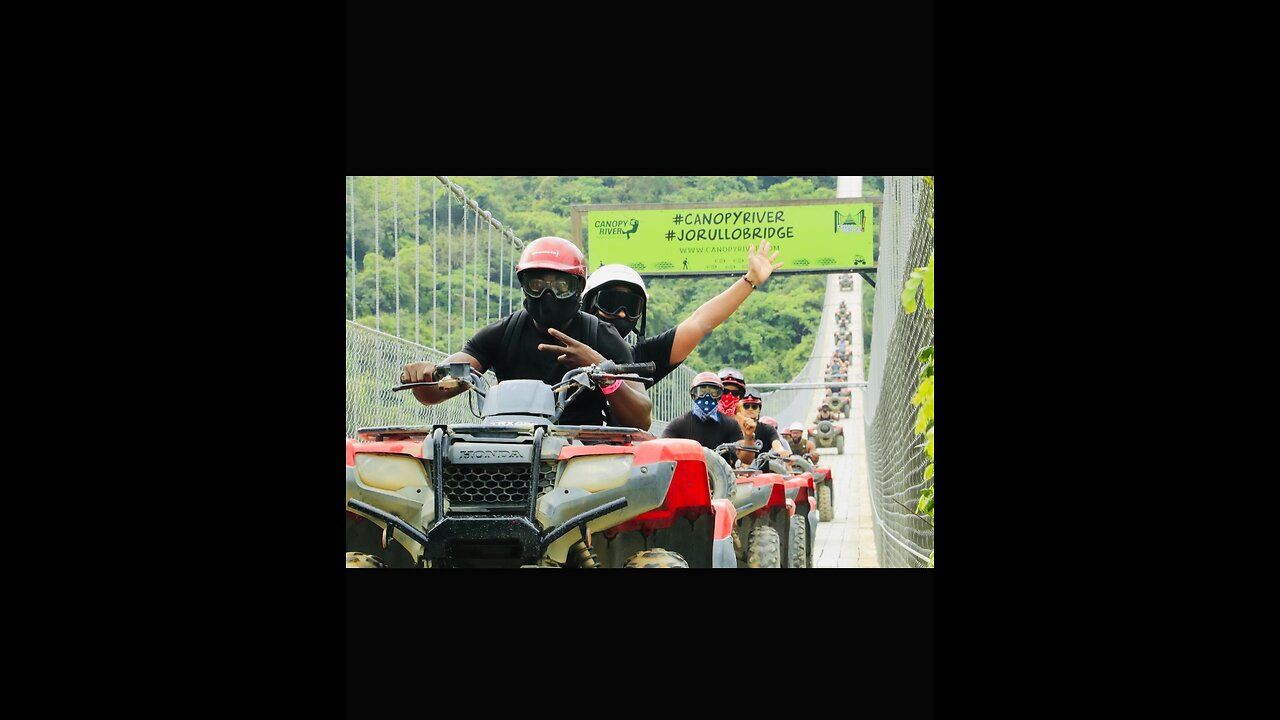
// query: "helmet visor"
[[561, 285], [706, 390], [614, 301]]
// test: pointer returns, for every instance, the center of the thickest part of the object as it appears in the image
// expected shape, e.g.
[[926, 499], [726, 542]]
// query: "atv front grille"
[[493, 487]]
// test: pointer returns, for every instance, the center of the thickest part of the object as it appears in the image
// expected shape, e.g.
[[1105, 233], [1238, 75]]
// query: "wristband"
[[753, 285], [612, 388]]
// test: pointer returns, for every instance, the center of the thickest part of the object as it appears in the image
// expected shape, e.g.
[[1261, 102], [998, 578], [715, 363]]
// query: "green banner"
[[715, 240]]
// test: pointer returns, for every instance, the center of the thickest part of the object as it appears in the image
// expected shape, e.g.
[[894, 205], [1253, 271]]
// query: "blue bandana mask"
[[704, 408]]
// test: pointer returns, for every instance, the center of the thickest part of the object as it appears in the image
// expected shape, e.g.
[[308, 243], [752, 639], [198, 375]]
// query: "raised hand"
[[760, 264]]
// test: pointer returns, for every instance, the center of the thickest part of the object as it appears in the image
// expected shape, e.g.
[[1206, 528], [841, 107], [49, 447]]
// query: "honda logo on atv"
[[490, 455]]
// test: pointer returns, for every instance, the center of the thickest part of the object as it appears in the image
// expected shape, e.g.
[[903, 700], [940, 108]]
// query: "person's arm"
[[780, 448], [748, 428], [423, 372], [629, 404], [708, 317]]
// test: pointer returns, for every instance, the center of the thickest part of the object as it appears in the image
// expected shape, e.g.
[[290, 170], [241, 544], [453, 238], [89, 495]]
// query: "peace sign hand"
[[573, 353]]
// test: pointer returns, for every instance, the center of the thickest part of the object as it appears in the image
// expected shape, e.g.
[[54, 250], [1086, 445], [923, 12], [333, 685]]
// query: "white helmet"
[[614, 273], [619, 274], [797, 425]]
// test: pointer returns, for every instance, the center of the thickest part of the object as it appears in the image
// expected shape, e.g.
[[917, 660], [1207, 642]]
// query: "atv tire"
[[839, 444], [826, 513], [799, 542], [656, 558], [764, 548], [361, 560], [719, 475]]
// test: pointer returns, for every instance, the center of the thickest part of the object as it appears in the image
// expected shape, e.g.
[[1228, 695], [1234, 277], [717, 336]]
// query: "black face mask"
[[622, 326], [550, 312]]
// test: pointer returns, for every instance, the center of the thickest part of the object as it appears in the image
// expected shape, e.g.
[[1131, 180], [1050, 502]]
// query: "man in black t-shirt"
[[552, 273], [703, 423], [617, 295], [750, 408]]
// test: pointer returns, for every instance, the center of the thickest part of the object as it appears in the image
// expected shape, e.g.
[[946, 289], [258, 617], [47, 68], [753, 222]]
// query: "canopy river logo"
[[617, 227], [854, 222]]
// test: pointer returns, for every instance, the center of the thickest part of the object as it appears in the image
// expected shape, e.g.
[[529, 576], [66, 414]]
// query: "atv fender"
[[722, 551]]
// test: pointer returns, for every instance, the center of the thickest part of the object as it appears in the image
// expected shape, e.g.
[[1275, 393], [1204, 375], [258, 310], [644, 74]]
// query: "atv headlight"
[[390, 472], [595, 473]]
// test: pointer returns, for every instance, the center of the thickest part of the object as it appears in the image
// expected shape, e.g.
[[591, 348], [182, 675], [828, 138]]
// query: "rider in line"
[[767, 434], [824, 413], [704, 422], [552, 274], [798, 445]]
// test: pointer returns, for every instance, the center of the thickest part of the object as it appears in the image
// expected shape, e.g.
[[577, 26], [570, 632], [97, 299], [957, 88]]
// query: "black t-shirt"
[[656, 349], [709, 434], [766, 434], [590, 408]]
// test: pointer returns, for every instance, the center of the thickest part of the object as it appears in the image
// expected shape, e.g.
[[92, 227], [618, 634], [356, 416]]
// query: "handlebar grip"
[[644, 367]]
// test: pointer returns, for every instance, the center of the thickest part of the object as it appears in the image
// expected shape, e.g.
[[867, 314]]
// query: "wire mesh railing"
[[894, 462], [425, 261], [374, 362]]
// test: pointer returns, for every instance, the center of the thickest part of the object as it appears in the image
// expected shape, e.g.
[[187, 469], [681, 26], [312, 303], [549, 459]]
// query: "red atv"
[[824, 487], [519, 490], [763, 515], [801, 490]]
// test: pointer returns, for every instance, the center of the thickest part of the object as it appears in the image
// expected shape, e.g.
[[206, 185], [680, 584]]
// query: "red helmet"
[[553, 253], [705, 378]]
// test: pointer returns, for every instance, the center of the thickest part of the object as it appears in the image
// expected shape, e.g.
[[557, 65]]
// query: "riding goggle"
[[562, 288], [750, 406], [615, 301], [706, 391], [734, 391]]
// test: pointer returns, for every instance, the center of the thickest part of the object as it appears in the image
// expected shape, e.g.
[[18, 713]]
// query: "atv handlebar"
[[454, 374], [740, 448], [610, 366], [596, 376], [623, 371], [589, 377]]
